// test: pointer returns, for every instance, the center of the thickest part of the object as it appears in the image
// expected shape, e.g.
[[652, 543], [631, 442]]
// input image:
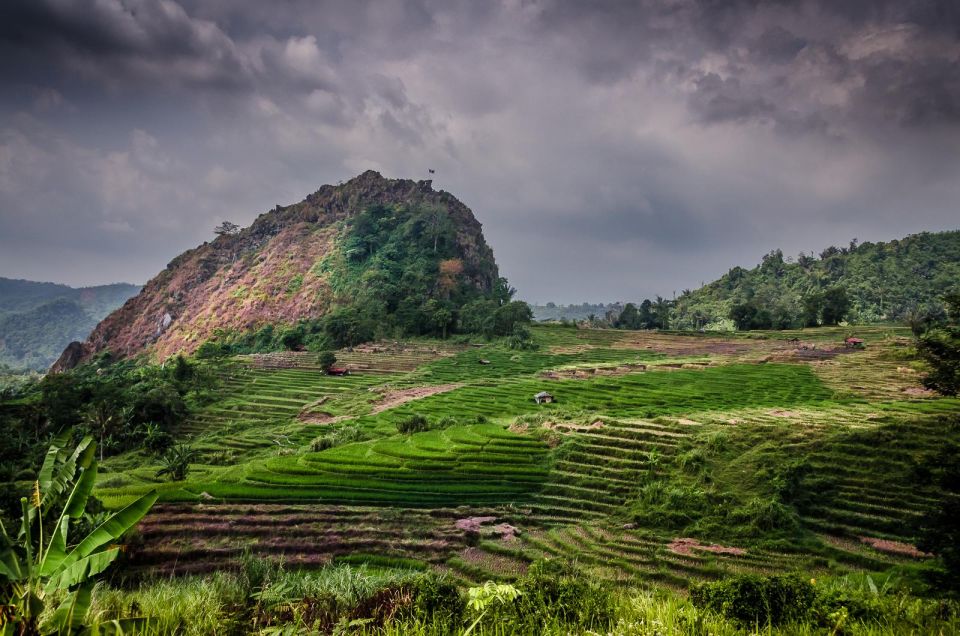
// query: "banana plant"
[[42, 562]]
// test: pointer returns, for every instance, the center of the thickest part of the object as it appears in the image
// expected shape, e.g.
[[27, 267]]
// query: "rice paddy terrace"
[[657, 461]]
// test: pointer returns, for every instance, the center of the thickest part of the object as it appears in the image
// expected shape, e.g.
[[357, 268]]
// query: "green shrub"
[[752, 600], [437, 599], [322, 443], [553, 590], [416, 423], [345, 435], [447, 421], [670, 505], [765, 515]]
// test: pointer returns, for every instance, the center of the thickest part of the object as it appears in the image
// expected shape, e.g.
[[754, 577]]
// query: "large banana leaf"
[[74, 507], [110, 530], [10, 569], [81, 571], [71, 613], [59, 469], [56, 454]]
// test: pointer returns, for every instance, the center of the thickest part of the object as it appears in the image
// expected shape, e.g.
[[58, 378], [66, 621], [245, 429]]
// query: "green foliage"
[[754, 600], [438, 599], [940, 531], [748, 316], [175, 463], [521, 339], [343, 435], [41, 563], [940, 349], [124, 406], [326, 359], [558, 589], [879, 281], [416, 423], [38, 320]]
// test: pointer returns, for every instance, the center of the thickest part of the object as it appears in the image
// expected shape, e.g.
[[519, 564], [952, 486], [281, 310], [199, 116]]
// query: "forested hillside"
[[37, 320], [896, 280]]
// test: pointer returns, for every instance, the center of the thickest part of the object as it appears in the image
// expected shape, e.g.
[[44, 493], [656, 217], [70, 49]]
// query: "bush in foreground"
[[751, 599]]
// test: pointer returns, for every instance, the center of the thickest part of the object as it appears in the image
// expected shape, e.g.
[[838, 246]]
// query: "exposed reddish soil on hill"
[[268, 273]]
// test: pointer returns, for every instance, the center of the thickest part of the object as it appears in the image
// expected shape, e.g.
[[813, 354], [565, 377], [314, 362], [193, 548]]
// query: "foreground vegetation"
[[552, 598]]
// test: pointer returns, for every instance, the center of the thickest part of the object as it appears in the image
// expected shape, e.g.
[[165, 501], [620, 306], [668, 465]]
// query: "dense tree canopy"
[[861, 283]]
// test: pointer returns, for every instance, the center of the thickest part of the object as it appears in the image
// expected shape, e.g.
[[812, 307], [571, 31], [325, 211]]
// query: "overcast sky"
[[612, 150]]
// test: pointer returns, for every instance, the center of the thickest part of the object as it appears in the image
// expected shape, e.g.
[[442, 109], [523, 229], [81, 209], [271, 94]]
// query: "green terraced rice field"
[[698, 412]]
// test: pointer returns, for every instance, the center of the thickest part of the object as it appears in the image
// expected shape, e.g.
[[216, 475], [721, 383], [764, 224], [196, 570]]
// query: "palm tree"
[[176, 462]]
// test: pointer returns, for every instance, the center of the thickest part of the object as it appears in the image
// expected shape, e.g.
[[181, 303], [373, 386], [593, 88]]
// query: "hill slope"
[[37, 320], [882, 280], [380, 247]]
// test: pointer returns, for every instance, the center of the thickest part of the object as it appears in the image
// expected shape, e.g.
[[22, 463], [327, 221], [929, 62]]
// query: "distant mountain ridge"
[[394, 249], [38, 319]]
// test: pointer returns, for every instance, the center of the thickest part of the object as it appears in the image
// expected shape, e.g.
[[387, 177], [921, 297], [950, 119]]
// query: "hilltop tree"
[[226, 229]]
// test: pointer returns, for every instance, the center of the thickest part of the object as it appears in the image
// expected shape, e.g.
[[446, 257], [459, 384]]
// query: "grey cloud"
[[716, 99], [611, 149], [139, 40]]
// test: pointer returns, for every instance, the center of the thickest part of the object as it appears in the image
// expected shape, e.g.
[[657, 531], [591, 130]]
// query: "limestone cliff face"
[[268, 273]]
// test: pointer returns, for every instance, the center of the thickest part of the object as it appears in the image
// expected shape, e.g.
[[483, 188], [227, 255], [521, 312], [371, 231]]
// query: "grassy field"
[[660, 462]]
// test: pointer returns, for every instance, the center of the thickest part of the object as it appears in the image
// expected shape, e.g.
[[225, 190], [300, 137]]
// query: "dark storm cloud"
[[611, 149], [138, 41]]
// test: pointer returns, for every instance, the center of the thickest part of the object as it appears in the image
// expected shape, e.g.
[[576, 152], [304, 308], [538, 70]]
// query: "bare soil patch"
[[783, 413], [479, 525], [316, 417], [918, 391], [686, 345], [592, 372], [686, 546], [569, 349], [897, 548], [571, 427], [390, 399]]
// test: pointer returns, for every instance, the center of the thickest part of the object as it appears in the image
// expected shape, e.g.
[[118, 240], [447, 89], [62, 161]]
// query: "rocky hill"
[[372, 246], [37, 320]]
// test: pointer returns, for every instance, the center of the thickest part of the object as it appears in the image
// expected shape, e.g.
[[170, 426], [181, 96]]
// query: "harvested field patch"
[[783, 413], [391, 398], [571, 427], [314, 417], [686, 546], [690, 346], [584, 373], [898, 548]]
